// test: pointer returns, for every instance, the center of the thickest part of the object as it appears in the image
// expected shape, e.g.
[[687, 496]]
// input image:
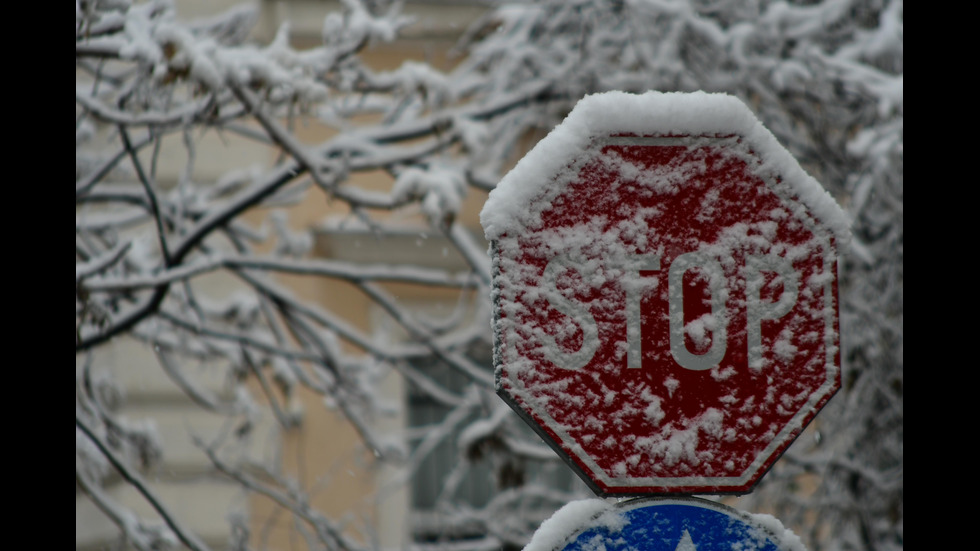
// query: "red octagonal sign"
[[665, 293]]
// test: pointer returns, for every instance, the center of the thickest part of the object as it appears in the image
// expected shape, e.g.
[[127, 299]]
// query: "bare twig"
[[186, 537]]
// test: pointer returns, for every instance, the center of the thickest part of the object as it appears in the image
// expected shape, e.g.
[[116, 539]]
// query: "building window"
[[462, 472]]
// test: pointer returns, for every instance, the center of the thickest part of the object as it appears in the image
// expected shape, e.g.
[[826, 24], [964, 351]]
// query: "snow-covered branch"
[[205, 259], [186, 536]]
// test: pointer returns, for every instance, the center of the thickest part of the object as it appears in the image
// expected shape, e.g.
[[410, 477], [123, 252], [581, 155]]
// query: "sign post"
[[664, 293]]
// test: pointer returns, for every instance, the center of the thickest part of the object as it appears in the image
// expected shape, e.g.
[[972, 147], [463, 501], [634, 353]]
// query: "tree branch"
[[186, 537]]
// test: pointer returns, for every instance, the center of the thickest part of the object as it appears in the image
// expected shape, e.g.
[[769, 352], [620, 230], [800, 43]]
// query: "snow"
[[603, 523], [172, 48], [555, 532], [439, 187], [648, 114], [630, 204], [789, 541], [840, 96]]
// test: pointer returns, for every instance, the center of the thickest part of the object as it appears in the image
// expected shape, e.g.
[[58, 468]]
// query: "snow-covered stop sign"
[[665, 293]]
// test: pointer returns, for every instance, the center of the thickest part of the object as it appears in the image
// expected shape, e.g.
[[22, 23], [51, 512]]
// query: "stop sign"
[[664, 293]]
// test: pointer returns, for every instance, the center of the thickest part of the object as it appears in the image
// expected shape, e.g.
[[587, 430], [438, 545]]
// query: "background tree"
[[825, 77]]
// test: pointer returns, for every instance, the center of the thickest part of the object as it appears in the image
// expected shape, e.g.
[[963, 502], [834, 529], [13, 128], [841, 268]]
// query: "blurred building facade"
[[322, 450]]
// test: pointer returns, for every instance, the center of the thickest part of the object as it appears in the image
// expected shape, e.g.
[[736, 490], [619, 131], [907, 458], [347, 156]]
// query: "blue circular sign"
[[654, 524]]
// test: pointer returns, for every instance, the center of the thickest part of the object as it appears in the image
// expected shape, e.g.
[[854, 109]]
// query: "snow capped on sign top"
[[597, 525], [637, 251], [650, 114], [568, 520]]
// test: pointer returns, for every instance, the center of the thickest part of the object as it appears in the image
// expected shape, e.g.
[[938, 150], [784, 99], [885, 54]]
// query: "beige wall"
[[323, 453]]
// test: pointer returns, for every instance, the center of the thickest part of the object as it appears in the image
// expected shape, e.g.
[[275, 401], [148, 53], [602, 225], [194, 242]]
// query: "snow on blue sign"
[[654, 524]]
